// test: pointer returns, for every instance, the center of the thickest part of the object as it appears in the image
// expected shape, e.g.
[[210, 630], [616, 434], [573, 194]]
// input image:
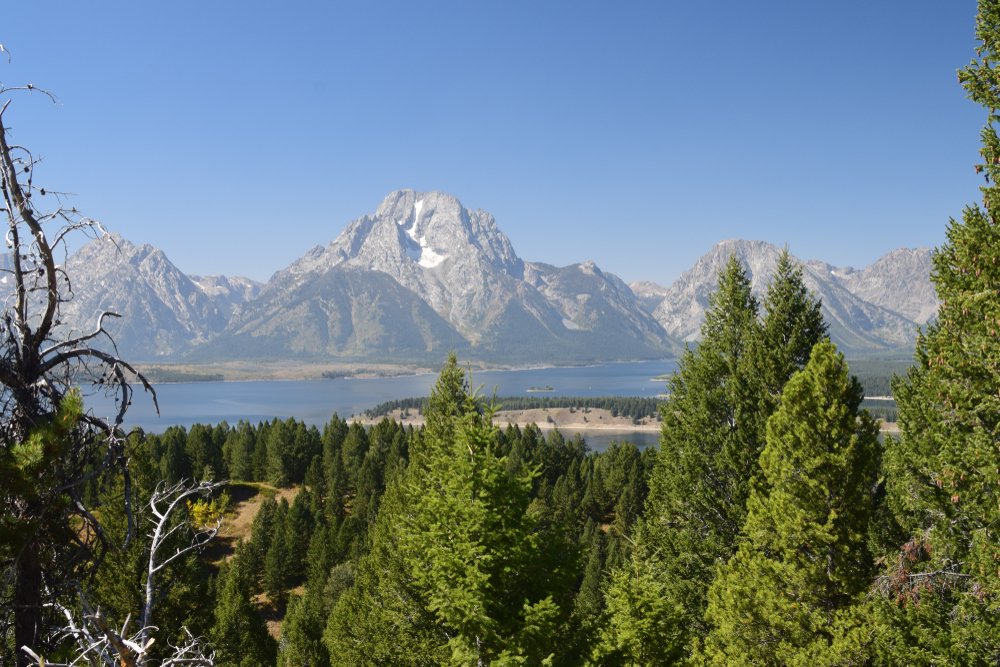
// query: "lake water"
[[314, 401]]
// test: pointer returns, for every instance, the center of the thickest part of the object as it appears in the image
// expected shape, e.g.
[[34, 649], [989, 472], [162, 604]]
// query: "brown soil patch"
[[570, 420], [246, 498]]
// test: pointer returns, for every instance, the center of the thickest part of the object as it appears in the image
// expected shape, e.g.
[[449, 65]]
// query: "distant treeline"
[[884, 410], [634, 407], [160, 374], [876, 375]]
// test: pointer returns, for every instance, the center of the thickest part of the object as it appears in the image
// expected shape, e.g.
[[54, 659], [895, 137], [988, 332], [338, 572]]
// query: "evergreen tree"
[[455, 574], [239, 634], [942, 592], [792, 325], [333, 437], [280, 454], [803, 561], [238, 452], [302, 629], [698, 489], [260, 541], [713, 433], [278, 566], [174, 462], [300, 528], [203, 453]]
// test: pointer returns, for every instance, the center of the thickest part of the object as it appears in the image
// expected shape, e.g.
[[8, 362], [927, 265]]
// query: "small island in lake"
[[539, 390]]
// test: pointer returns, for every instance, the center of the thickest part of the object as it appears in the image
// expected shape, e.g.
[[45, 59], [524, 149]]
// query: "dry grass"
[[246, 499]]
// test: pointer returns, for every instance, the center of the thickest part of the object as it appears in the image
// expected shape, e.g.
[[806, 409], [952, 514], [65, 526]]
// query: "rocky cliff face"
[[423, 275], [898, 281], [875, 308], [458, 262], [455, 260], [228, 293], [163, 311]]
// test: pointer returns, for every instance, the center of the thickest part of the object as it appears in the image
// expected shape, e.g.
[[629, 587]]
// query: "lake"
[[314, 401]]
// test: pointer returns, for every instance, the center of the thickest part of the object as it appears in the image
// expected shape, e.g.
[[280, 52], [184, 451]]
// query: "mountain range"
[[423, 275]]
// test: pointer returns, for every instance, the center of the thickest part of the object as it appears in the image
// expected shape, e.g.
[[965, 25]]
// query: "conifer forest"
[[771, 526]]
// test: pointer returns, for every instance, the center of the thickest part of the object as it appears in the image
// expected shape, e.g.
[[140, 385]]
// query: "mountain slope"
[[860, 322], [898, 281], [163, 312], [424, 275], [459, 264], [349, 313]]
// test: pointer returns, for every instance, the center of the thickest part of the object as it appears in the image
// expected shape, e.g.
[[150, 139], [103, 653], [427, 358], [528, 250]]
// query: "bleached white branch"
[[172, 497], [99, 644]]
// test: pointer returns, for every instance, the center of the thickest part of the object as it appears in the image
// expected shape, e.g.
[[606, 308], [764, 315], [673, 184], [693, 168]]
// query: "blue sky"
[[237, 135]]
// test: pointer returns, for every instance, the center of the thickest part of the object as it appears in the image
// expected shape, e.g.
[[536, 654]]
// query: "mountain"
[[163, 311], [350, 313], [877, 308], [228, 292], [649, 294], [898, 281], [423, 275], [460, 265]]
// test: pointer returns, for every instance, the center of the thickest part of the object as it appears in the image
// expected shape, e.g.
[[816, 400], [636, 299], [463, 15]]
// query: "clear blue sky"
[[237, 135]]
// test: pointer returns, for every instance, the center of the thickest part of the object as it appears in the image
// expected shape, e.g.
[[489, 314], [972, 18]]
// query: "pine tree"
[[713, 433], [792, 325], [300, 527], [260, 541], [698, 488], [302, 628], [942, 592], [238, 452], [239, 634], [278, 565], [456, 574], [803, 561]]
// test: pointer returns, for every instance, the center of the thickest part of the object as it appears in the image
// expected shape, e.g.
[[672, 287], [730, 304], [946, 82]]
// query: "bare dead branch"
[[39, 368], [164, 501], [100, 644]]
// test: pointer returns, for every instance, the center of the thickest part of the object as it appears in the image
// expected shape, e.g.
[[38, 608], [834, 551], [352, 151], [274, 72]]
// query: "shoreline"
[[564, 419], [547, 419], [246, 371]]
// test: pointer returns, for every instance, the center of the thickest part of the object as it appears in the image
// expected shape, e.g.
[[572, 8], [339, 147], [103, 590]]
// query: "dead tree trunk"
[[50, 448]]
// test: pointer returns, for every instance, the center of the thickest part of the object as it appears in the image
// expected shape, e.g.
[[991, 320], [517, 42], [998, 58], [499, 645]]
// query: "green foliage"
[[792, 325], [698, 487], [456, 573], [635, 407], [278, 566], [941, 595], [302, 630], [713, 432], [788, 594], [239, 633]]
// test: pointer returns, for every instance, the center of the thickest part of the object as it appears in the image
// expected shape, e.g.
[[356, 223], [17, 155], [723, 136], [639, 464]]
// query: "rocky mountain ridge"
[[875, 308], [423, 275], [162, 310], [458, 263]]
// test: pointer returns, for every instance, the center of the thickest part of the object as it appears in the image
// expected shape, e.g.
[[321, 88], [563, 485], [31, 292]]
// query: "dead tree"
[[100, 644], [50, 449]]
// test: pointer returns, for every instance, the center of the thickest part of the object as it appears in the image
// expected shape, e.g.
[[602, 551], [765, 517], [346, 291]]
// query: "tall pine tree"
[[942, 592], [790, 590], [713, 433], [456, 573], [697, 489], [239, 634]]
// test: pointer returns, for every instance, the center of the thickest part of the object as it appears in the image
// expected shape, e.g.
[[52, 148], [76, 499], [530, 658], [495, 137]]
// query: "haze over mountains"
[[423, 275]]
